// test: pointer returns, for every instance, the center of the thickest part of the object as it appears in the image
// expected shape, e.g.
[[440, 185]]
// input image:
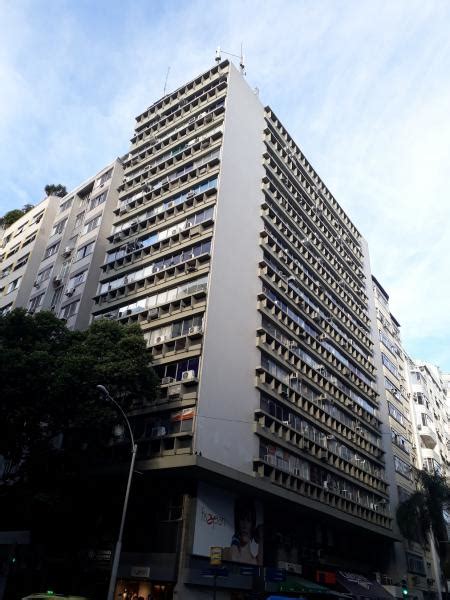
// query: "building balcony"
[[428, 436]]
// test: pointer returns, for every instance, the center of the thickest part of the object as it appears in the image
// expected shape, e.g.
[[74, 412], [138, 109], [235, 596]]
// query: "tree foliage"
[[55, 190], [48, 378], [423, 511], [14, 215]]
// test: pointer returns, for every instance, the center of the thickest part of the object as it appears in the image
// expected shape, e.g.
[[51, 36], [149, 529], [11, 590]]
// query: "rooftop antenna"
[[240, 56], [165, 83]]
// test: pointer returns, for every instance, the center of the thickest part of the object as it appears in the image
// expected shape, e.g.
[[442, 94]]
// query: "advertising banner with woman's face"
[[233, 522]]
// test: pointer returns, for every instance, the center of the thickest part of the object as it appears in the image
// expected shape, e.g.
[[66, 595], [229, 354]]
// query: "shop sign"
[[215, 556], [249, 571], [99, 557], [143, 572], [215, 572], [275, 575]]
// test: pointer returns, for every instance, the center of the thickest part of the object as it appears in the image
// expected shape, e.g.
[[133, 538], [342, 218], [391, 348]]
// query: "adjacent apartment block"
[[22, 246], [252, 287], [411, 563], [429, 396], [52, 255]]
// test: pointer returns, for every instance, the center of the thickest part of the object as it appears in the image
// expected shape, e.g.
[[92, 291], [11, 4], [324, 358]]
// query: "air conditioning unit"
[[170, 204], [195, 329], [56, 280], [160, 339], [190, 194], [173, 231], [167, 380], [153, 313], [188, 375], [191, 120], [36, 284], [158, 432], [67, 251], [122, 210], [69, 291]]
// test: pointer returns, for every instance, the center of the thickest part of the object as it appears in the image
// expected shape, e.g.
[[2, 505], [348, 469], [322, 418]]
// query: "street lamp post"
[[118, 548]]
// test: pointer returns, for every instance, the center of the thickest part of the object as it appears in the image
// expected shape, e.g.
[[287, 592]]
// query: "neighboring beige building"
[[429, 390], [51, 256], [411, 562], [69, 266], [22, 246]]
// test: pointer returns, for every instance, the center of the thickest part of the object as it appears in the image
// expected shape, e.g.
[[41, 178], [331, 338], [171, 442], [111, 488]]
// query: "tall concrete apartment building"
[[253, 288], [52, 255], [419, 568]]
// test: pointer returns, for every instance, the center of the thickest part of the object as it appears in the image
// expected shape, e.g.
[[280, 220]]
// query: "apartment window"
[[56, 296], [44, 275], [431, 465], [104, 178], [21, 228], [14, 285], [396, 414], [389, 364], [392, 388], [29, 240], [69, 310], [415, 564], [59, 227], [5, 272], [85, 251], [426, 421], [51, 250], [79, 219], [36, 302], [21, 262], [77, 279], [92, 224], [402, 467], [6, 309], [66, 205], [176, 370], [97, 201], [37, 219], [400, 441], [13, 251]]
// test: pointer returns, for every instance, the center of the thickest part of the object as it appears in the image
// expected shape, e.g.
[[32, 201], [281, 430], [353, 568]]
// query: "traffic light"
[[404, 588]]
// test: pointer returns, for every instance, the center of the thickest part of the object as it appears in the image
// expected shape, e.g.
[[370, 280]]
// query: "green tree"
[[10, 217], [48, 378], [13, 215], [55, 190], [422, 513]]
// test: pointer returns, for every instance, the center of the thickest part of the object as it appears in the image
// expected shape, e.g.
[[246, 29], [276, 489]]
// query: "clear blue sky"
[[363, 86]]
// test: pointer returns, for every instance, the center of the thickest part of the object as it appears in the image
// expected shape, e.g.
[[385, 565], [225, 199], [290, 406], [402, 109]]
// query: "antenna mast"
[[165, 83], [240, 56]]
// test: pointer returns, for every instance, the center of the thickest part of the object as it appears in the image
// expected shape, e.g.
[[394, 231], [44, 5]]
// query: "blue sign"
[[249, 571], [214, 572], [275, 575]]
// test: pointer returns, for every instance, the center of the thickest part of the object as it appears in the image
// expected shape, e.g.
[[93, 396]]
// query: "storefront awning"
[[360, 587], [298, 584]]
